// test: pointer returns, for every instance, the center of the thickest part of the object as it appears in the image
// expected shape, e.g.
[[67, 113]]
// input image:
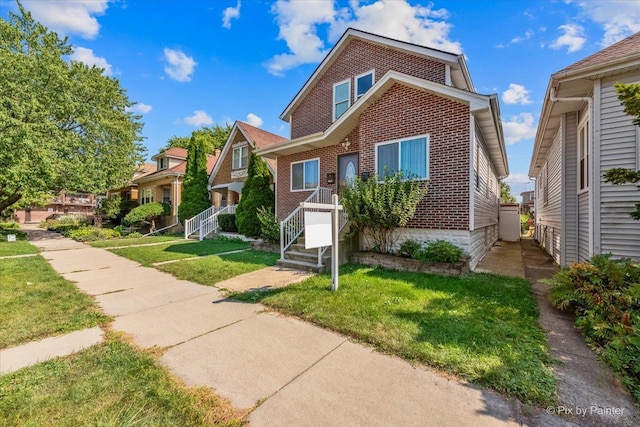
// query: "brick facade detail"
[[403, 112], [314, 113]]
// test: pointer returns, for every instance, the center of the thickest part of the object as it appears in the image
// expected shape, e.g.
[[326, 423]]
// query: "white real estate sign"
[[317, 229]]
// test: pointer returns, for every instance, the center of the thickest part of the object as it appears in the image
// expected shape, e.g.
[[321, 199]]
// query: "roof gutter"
[[553, 98]]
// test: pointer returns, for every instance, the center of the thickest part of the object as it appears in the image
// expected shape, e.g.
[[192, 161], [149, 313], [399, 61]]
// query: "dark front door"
[[347, 169]]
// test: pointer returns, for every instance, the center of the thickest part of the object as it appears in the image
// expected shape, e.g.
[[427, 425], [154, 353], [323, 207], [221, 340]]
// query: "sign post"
[[322, 229]]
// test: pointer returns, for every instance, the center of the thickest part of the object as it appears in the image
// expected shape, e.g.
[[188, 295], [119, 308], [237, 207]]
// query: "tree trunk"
[[8, 201]]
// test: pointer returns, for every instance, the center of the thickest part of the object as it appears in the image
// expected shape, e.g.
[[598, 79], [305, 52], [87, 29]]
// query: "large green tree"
[[195, 196], [256, 194], [505, 193], [629, 96], [212, 137], [63, 124]]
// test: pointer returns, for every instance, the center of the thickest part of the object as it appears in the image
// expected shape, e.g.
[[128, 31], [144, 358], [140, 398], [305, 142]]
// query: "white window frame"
[[163, 163], [147, 196], [333, 107], [240, 157], [291, 189], [399, 142], [584, 152], [355, 86]]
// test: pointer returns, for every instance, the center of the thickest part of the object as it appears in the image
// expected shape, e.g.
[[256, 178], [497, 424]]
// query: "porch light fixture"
[[345, 144]]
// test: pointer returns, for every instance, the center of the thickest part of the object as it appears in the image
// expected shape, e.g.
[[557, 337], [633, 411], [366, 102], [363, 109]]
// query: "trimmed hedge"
[[227, 222]]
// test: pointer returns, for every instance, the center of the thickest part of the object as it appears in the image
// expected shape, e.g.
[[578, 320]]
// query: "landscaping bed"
[[393, 262], [481, 327]]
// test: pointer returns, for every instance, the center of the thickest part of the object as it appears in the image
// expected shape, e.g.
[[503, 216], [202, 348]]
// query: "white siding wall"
[[548, 215], [486, 198], [481, 241], [620, 234], [583, 226], [570, 187]]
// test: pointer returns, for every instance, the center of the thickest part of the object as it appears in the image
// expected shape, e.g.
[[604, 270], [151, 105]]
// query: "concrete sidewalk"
[[285, 371]]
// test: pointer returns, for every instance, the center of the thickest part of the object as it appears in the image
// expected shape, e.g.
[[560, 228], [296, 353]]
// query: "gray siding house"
[[583, 132]]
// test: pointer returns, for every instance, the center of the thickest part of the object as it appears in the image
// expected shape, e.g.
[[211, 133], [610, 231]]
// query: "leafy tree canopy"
[[256, 194], [212, 137], [147, 214], [505, 193], [195, 195], [63, 124]]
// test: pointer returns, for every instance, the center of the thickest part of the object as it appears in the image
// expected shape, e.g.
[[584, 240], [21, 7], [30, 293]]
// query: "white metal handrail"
[[193, 224], [293, 225], [209, 225]]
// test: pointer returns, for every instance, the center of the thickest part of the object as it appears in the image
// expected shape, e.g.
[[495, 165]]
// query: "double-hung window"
[[341, 98], [147, 196], [241, 157], [305, 175], [583, 156], [411, 156], [364, 83]]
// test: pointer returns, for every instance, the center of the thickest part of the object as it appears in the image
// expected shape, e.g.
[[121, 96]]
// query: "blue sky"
[[189, 63]]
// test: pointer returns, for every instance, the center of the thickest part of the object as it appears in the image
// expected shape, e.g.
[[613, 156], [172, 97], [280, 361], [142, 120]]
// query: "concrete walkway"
[[285, 371], [588, 393]]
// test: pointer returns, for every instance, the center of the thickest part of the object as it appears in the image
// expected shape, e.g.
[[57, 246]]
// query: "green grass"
[[213, 269], [134, 241], [147, 255], [19, 247], [112, 384], [482, 327], [35, 302]]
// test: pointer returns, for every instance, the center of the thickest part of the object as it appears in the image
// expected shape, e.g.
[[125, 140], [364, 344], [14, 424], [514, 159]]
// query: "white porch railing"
[[193, 224], [210, 224], [293, 225]]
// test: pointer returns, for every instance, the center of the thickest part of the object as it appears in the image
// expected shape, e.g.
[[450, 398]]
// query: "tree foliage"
[[195, 195], [147, 214], [212, 138], [505, 193], [377, 208], [63, 125], [256, 193]]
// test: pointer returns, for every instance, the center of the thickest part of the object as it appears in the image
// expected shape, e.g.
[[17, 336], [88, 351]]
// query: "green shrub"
[[269, 225], [409, 247], [256, 193], [147, 213], [605, 295], [11, 225], [195, 195], [90, 234], [439, 251], [133, 235], [227, 222], [66, 223]]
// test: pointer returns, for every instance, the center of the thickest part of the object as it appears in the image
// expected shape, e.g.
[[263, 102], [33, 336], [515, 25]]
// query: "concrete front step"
[[301, 265], [299, 247], [311, 258]]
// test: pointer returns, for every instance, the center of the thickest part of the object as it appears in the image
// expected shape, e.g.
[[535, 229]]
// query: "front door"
[[347, 169]]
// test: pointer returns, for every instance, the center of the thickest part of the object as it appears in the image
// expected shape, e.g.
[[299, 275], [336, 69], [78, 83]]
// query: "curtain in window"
[[414, 158], [387, 159], [311, 174]]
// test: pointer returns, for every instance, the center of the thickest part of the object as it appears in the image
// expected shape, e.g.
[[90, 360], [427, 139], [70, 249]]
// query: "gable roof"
[[174, 152], [177, 170], [256, 137], [459, 73], [485, 109]]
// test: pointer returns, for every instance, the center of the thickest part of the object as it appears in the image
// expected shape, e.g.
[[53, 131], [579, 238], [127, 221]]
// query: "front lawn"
[[482, 327], [147, 255], [19, 247], [124, 241], [111, 384], [35, 302], [211, 270]]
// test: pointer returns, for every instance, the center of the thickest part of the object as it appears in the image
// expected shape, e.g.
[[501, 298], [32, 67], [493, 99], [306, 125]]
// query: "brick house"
[[130, 192], [64, 203], [230, 172], [376, 103]]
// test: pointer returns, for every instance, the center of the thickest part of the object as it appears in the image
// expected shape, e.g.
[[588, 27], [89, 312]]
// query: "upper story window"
[[364, 83], [240, 157], [411, 156], [341, 98], [305, 175], [583, 156], [163, 163]]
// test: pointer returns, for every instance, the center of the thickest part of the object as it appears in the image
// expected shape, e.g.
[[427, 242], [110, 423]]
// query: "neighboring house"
[[230, 172], [130, 192], [78, 203], [376, 104], [165, 184], [584, 132], [528, 201]]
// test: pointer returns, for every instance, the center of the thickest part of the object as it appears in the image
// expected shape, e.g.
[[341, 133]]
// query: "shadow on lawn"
[[206, 247]]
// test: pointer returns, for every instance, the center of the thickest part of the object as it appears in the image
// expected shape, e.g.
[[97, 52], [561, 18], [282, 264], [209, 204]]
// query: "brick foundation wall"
[[314, 114]]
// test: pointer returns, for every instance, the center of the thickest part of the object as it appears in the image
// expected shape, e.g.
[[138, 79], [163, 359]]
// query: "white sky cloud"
[[519, 127], [517, 178], [230, 13], [82, 54], [619, 18], [516, 94], [299, 23], [140, 108], [179, 66], [199, 118], [69, 17], [573, 38], [254, 120]]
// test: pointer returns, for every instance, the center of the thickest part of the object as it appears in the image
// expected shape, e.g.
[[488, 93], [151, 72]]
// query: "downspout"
[[589, 100]]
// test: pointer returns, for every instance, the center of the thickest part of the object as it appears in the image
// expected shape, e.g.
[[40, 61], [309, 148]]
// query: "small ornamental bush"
[[9, 225], [65, 223], [605, 296], [439, 251], [148, 213], [133, 235], [91, 234], [408, 248], [256, 193], [227, 222], [269, 225]]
